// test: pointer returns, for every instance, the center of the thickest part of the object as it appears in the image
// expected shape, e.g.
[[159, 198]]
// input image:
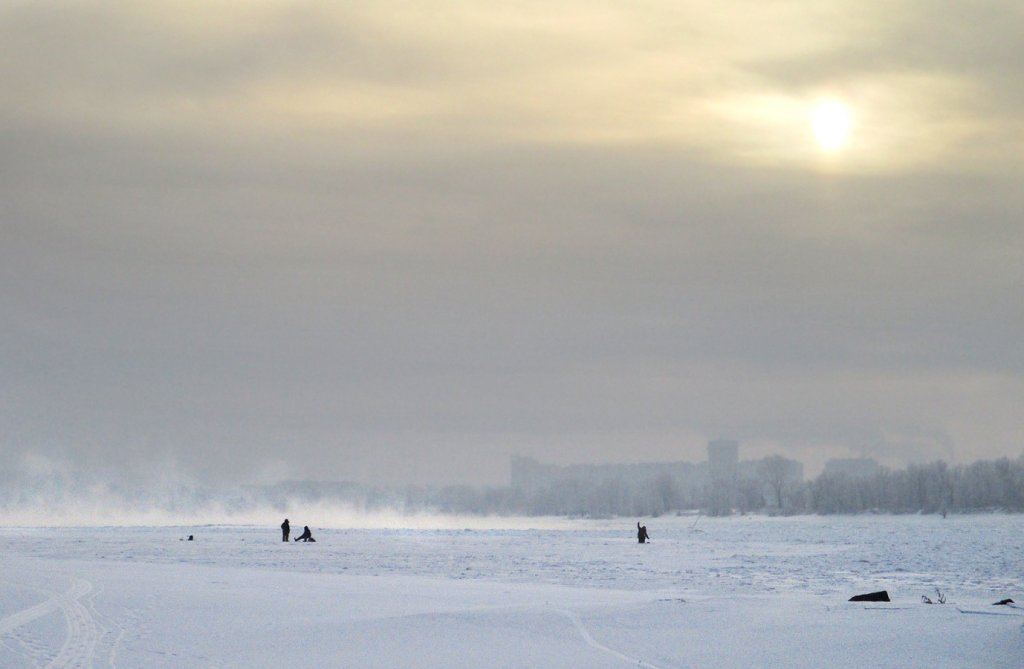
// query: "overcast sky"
[[401, 241]]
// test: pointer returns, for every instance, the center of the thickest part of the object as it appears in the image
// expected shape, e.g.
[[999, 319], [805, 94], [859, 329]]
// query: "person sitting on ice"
[[306, 535], [641, 533]]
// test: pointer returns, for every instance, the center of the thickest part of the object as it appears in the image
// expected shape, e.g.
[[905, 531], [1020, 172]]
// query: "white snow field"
[[732, 592]]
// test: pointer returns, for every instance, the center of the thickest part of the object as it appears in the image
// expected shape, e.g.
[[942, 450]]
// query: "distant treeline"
[[930, 488], [987, 485]]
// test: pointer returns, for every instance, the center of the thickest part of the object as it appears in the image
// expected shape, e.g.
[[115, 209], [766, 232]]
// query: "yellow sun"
[[831, 124]]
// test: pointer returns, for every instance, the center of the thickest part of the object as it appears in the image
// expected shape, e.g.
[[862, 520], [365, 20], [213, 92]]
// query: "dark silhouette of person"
[[306, 535], [641, 533], [285, 530]]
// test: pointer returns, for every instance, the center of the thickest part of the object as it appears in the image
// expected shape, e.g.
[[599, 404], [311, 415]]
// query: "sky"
[[400, 242]]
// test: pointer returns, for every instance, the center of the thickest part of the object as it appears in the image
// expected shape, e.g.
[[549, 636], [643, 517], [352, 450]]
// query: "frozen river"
[[732, 592]]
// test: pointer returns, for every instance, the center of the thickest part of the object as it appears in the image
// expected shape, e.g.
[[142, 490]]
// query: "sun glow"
[[831, 123]]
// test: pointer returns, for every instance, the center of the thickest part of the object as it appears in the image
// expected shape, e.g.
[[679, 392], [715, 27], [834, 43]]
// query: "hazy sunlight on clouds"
[[402, 241]]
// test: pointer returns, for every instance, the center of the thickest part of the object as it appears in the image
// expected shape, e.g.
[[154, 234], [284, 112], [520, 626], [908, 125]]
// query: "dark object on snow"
[[1003, 602], [641, 533], [306, 535], [940, 598], [285, 530], [880, 596], [190, 537]]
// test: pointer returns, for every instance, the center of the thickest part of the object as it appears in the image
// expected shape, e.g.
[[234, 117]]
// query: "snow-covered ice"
[[730, 592]]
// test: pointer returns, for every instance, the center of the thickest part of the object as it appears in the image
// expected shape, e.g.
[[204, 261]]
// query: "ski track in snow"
[[83, 631], [590, 641]]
